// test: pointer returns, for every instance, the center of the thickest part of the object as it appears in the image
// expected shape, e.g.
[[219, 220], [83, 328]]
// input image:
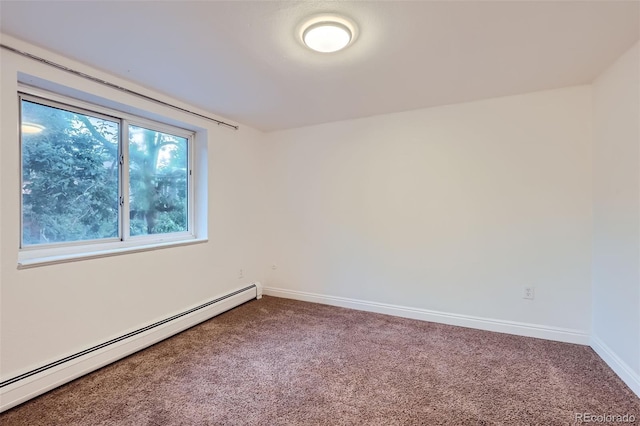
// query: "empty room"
[[319, 212]]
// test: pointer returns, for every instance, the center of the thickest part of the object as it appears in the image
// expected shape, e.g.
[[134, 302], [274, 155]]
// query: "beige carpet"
[[282, 362]]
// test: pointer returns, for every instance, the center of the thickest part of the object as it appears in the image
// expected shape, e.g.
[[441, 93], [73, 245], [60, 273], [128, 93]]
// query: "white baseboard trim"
[[489, 324], [621, 368], [29, 387]]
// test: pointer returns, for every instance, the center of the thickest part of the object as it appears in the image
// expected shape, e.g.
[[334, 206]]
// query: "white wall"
[[616, 230], [453, 209], [48, 312]]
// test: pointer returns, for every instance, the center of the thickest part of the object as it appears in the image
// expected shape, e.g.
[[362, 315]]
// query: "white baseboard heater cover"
[[30, 384]]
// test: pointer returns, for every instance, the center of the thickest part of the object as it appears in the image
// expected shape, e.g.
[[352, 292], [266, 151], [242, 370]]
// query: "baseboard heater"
[[25, 386]]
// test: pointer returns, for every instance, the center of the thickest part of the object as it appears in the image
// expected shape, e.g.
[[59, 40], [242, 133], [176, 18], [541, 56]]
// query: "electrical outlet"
[[274, 266], [528, 293], [240, 274]]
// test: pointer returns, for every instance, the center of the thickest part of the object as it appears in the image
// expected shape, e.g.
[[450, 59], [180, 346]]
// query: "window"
[[95, 179], [158, 182]]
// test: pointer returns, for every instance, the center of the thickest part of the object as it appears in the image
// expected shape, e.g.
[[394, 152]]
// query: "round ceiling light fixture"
[[328, 33]]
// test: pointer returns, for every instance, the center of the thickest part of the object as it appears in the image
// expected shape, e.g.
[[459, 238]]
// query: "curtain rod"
[[112, 85]]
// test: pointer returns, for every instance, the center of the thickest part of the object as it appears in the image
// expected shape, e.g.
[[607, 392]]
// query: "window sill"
[[31, 262]]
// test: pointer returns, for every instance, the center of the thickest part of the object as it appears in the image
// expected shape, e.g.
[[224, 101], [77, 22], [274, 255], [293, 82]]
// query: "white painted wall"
[[616, 212], [51, 311], [453, 209]]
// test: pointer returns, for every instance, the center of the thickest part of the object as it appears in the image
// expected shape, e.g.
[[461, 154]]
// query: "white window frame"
[[41, 254]]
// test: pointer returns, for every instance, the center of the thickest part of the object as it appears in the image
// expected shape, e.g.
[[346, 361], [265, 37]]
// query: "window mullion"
[[191, 187], [124, 181]]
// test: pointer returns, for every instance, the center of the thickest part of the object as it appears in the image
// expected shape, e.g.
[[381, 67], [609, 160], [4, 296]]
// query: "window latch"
[[121, 201]]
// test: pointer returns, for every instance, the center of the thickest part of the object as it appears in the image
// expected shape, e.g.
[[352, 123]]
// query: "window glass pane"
[[69, 175], [158, 182]]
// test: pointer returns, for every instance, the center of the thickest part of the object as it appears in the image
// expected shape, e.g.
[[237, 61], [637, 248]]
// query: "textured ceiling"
[[242, 60]]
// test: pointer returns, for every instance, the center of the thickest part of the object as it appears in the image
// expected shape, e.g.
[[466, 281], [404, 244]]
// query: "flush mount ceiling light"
[[327, 33]]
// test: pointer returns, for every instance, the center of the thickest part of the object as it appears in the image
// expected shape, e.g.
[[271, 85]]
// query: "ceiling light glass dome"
[[327, 33]]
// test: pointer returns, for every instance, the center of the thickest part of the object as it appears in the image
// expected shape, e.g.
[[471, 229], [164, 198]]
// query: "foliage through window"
[[158, 176], [82, 183]]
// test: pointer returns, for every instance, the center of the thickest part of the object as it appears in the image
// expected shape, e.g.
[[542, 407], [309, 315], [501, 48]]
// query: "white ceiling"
[[242, 60]]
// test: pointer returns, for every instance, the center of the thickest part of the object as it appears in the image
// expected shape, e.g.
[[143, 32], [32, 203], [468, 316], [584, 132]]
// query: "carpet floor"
[[283, 362]]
